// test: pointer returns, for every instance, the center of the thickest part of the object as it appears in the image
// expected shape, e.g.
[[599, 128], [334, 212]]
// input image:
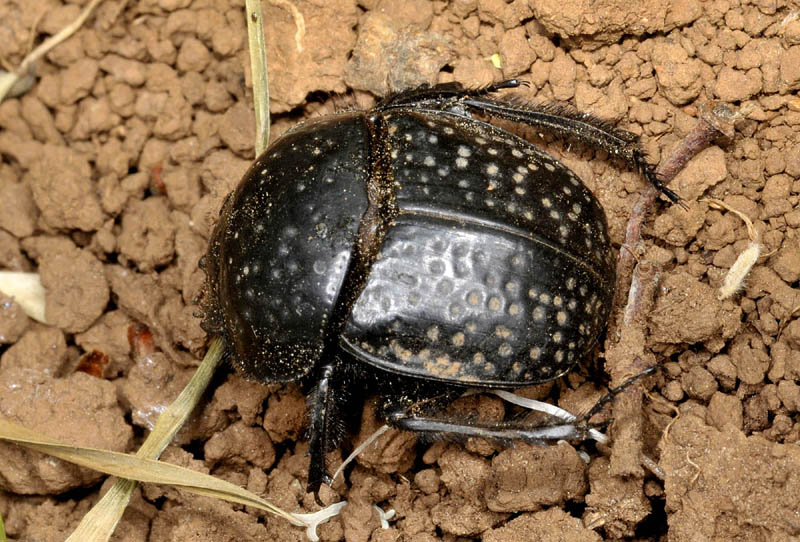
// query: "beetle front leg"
[[322, 415]]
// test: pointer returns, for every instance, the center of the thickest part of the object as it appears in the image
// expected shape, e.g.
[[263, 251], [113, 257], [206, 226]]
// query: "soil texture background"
[[113, 168]]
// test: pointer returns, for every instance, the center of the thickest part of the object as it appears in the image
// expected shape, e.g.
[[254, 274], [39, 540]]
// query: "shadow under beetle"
[[413, 251]]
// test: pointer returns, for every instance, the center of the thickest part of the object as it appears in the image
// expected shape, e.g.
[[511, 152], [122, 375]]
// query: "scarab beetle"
[[413, 250]]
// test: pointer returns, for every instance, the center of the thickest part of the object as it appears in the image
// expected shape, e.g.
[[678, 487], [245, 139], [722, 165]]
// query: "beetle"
[[414, 250]]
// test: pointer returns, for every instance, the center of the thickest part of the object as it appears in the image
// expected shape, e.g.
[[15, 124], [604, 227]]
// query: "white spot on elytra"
[[464, 151], [461, 163], [429, 161], [492, 169]]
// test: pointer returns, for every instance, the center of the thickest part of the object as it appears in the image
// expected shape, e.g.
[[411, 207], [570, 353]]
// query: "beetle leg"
[[424, 416], [415, 417], [446, 427], [568, 123], [442, 94], [322, 416]]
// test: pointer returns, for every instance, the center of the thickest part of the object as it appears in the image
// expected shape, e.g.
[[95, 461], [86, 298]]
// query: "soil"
[[113, 168]]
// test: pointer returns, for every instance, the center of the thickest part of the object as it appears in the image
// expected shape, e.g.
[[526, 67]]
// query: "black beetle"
[[413, 250]]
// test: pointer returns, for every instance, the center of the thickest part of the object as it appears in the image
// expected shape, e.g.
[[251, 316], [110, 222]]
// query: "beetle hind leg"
[[569, 123], [435, 427], [443, 95], [426, 416]]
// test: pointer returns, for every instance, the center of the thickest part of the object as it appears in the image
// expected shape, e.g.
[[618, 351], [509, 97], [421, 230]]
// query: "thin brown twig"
[[26, 66], [713, 123], [639, 279]]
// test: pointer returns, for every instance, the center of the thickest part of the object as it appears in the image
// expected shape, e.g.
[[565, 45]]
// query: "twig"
[[712, 124], [640, 283], [643, 285], [11, 78]]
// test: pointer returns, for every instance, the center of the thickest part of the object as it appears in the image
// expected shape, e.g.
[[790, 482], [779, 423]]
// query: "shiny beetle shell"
[[489, 263]]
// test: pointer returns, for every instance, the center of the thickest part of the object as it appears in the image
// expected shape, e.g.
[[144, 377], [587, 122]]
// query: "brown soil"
[[113, 167]]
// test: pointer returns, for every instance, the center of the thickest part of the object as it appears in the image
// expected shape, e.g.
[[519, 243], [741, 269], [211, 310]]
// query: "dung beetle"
[[413, 251]]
